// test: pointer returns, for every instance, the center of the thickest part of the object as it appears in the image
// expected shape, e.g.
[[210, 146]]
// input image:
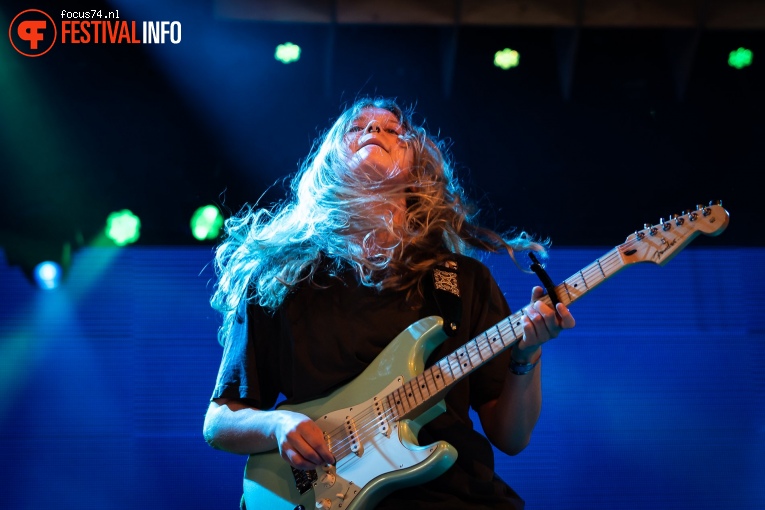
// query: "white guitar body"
[[371, 424], [385, 454]]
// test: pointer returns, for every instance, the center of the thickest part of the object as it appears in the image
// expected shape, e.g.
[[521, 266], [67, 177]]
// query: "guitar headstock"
[[659, 243]]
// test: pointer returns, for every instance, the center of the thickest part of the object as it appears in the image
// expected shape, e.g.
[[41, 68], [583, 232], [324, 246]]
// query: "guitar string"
[[389, 414], [607, 265], [608, 262], [471, 348], [343, 447]]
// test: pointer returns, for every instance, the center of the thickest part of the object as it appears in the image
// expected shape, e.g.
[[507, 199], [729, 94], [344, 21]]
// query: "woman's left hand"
[[540, 324]]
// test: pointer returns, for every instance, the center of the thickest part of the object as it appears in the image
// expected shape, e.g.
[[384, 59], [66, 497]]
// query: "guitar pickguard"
[[386, 454], [370, 446]]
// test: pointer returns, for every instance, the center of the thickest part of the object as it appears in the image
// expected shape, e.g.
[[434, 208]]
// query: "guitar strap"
[[444, 287]]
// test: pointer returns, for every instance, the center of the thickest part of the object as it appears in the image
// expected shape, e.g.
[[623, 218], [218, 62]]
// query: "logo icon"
[[32, 33]]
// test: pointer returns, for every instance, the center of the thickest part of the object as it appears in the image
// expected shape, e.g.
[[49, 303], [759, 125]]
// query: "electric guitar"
[[371, 424]]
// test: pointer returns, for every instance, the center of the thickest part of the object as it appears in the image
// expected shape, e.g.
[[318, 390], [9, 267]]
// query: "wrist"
[[523, 361], [529, 355]]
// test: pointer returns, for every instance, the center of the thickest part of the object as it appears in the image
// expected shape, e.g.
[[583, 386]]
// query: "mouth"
[[373, 142]]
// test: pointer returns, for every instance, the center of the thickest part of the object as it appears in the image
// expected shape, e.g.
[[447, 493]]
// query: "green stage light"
[[287, 52], [506, 59], [206, 223], [740, 58], [123, 227]]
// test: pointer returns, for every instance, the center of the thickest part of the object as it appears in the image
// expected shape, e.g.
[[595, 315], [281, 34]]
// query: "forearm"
[[509, 421], [236, 428]]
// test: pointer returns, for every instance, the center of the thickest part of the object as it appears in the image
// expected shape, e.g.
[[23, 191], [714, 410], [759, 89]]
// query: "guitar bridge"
[[304, 479]]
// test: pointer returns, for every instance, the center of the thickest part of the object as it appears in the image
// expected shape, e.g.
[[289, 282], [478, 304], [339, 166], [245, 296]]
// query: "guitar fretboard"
[[436, 380]]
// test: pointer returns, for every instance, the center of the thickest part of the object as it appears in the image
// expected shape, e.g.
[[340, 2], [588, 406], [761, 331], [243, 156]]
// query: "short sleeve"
[[245, 371]]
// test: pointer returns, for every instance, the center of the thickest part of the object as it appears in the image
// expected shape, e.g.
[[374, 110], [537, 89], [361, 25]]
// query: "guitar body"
[[385, 457]]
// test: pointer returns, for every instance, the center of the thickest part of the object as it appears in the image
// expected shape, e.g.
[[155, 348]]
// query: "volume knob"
[[328, 480]]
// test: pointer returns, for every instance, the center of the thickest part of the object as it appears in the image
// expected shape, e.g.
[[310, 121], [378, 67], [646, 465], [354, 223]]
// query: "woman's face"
[[376, 144]]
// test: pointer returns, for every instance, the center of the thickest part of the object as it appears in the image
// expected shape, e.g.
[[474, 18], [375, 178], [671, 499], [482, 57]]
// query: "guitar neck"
[[434, 382], [586, 279], [657, 244]]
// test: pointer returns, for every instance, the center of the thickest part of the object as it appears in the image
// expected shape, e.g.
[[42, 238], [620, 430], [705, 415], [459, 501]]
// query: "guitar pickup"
[[353, 436], [382, 422]]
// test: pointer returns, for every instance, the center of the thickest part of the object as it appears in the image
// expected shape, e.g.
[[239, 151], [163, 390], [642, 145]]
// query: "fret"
[[454, 365], [568, 293], [419, 383], [410, 394], [474, 362], [487, 349], [422, 385], [401, 400], [500, 336], [583, 280], [601, 269], [464, 359], [392, 405], [449, 377], [438, 377], [491, 339], [510, 320], [479, 349], [573, 285]]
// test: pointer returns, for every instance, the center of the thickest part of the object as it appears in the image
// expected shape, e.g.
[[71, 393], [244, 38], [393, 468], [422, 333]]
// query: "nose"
[[373, 127]]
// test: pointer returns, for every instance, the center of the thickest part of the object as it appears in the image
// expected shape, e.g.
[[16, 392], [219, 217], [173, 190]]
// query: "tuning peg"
[[679, 220], [665, 225], [651, 228], [708, 209]]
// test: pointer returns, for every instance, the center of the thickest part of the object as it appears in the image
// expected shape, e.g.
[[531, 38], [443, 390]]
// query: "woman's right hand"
[[301, 442]]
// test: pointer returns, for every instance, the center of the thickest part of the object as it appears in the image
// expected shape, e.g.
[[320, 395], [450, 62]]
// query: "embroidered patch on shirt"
[[445, 280]]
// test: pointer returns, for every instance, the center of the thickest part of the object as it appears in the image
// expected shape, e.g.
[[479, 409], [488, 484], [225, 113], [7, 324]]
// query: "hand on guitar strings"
[[301, 441], [540, 324]]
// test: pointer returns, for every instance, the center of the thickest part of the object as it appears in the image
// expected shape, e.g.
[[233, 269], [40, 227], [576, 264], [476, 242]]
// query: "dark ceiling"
[[599, 130]]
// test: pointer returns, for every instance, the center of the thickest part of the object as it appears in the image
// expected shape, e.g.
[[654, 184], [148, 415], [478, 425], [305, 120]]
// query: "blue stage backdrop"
[[654, 401]]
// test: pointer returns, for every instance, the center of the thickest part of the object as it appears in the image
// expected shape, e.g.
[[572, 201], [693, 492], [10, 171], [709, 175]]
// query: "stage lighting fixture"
[[287, 52], [507, 58], [740, 58], [47, 275], [206, 223], [123, 227], [43, 260]]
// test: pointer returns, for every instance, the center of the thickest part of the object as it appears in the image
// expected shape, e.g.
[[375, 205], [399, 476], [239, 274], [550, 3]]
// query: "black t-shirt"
[[320, 339]]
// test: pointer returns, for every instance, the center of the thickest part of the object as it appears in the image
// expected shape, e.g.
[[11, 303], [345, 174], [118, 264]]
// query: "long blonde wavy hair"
[[333, 217]]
